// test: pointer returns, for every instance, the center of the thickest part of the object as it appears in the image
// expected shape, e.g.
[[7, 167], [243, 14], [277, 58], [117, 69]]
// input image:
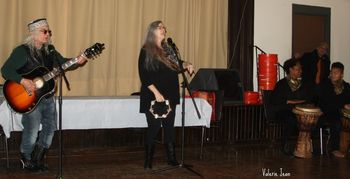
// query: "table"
[[107, 113]]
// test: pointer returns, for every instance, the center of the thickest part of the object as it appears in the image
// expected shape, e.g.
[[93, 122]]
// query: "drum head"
[[160, 109], [346, 113], [308, 108]]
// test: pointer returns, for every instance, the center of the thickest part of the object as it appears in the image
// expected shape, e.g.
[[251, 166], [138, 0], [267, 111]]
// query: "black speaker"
[[224, 80]]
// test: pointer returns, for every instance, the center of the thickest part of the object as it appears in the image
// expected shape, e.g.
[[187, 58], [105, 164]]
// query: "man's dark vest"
[[35, 60]]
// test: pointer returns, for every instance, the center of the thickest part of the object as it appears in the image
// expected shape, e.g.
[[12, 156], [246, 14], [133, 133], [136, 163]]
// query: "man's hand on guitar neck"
[[28, 85], [81, 59]]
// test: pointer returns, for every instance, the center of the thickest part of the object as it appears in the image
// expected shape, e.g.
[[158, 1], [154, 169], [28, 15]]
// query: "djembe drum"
[[345, 132], [307, 116]]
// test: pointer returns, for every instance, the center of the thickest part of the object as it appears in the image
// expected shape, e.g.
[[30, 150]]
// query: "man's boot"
[[38, 157], [28, 164]]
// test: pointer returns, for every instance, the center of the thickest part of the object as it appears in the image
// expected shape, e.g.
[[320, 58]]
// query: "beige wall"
[[273, 28], [199, 28]]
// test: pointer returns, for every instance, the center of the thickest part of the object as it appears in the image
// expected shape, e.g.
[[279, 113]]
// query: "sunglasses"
[[46, 31]]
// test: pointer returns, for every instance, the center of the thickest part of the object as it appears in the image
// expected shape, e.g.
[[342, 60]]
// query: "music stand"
[[225, 83]]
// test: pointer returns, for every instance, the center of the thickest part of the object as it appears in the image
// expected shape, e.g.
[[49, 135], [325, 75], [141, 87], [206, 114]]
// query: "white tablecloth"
[[107, 113]]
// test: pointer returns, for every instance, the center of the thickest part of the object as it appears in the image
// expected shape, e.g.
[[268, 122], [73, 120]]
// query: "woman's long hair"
[[155, 54]]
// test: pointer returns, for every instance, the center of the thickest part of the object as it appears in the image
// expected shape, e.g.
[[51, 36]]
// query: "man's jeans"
[[44, 114]]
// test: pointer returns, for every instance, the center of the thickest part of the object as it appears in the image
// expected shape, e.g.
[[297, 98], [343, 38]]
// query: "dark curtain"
[[241, 39]]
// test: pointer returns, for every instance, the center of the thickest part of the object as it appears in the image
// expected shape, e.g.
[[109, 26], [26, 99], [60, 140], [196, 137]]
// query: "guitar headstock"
[[94, 50]]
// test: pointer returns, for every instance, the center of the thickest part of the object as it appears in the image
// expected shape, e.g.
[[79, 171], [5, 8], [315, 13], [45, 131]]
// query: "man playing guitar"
[[36, 51]]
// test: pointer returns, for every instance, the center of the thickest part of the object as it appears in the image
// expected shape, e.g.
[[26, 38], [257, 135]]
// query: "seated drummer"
[[288, 92], [334, 95]]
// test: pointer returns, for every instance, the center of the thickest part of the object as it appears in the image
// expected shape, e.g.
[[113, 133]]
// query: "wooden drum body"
[[307, 117], [345, 132]]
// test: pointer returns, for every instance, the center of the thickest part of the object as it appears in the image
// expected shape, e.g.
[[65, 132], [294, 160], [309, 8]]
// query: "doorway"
[[311, 25]]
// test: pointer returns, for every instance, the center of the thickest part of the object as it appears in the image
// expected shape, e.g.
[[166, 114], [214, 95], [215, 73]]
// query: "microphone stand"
[[257, 48], [257, 61], [60, 137], [60, 103], [184, 86], [265, 93]]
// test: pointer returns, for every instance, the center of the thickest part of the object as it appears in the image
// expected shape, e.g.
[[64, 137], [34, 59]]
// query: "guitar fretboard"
[[91, 52], [56, 71]]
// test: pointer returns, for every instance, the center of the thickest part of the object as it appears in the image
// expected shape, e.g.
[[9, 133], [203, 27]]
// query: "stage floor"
[[230, 161]]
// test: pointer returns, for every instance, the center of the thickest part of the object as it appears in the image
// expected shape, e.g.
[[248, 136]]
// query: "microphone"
[[169, 50], [51, 48], [175, 49], [172, 44], [54, 53]]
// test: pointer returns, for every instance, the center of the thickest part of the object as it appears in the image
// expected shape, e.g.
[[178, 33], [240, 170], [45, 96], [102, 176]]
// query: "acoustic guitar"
[[23, 102]]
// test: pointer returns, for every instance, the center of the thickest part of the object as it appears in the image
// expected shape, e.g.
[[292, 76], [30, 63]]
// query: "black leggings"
[[155, 124]]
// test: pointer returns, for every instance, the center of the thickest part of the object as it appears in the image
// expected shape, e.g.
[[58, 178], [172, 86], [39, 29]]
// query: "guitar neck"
[[90, 52], [56, 71], [69, 63]]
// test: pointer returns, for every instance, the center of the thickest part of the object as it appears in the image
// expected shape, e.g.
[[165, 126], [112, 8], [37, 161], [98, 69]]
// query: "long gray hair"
[[30, 42], [154, 52]]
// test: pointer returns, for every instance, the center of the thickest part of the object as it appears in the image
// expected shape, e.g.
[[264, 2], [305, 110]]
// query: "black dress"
[[167, 83], [164, 79]]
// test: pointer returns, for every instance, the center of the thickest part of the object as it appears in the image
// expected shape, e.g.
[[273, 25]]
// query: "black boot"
[[28, 164], [38, 157], [170, 151], [149, 151]]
